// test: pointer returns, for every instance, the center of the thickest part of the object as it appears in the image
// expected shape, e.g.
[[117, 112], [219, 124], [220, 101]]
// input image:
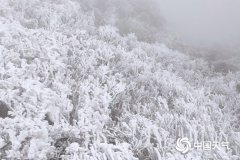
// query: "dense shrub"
[[108, 96]]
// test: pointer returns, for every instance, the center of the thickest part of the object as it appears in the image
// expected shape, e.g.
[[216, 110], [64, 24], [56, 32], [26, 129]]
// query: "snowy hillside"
[[76, 89]]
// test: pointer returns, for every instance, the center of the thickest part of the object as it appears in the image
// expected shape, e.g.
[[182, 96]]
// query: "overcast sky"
[[203, 22]]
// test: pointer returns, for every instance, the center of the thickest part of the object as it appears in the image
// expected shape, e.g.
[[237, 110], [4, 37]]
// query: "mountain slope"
[[109, 96]]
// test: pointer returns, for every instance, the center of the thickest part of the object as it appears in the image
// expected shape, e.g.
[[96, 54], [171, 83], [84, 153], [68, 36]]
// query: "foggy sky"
[[203, 22]]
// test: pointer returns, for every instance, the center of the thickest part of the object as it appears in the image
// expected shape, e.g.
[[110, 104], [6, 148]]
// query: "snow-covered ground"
[[81, 87]]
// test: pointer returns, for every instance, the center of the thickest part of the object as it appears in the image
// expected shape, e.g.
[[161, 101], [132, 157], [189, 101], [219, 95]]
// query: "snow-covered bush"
[[82, 91]]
